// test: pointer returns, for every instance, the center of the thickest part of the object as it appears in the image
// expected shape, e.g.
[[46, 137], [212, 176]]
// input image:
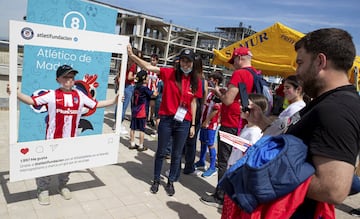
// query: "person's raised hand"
[[129, 50]]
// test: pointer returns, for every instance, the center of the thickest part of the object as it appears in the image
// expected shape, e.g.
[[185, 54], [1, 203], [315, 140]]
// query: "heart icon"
[[24, 150]]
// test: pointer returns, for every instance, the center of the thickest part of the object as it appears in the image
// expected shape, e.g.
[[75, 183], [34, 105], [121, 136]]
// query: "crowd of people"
[[321, 76], [328, 125], [183, 106], [323, 57]]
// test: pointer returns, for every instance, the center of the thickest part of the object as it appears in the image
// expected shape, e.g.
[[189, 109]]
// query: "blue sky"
[[301, 15]]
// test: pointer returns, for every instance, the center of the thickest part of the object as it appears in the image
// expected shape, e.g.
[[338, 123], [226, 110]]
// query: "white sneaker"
[[196, 173], [123, 130], [43, 197], [153, 134], [65, 193]]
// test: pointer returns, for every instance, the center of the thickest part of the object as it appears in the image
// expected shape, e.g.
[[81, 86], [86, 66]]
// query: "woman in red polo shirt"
[[177, 112]]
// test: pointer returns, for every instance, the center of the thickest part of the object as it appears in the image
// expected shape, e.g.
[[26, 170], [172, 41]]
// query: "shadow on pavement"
[[343, 207], [144, 170], [109, 119], [32, 194], [185, 211]]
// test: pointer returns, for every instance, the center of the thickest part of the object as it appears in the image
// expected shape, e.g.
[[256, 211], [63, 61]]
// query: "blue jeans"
[[129, 91], [179, 131]]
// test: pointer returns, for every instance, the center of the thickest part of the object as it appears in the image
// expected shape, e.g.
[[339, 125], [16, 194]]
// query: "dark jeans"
[[190, 144], [224, 151], [190, 151], [169, 147], [178, 131]]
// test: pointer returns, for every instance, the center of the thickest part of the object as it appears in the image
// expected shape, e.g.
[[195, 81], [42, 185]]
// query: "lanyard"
[[185, 86]]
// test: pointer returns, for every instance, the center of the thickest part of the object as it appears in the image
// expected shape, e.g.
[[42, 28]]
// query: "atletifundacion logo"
[[27, 33]]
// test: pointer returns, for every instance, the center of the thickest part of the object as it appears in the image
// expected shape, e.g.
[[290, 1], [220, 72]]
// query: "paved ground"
[[118, 191], [115, 191]]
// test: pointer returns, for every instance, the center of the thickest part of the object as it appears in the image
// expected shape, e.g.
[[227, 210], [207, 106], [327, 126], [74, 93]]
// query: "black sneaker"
[[170, 188], [355, 212], [155, 187], [141, 149], [133, 147], [212, 200]]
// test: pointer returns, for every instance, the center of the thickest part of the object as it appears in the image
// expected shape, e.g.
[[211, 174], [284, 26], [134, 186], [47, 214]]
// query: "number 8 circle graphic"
[[76, 20]]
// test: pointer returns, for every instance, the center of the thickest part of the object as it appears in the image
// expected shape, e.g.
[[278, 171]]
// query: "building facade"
[[152, 34]]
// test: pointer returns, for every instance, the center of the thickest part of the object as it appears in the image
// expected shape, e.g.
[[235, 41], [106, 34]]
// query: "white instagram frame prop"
[[47, 157]]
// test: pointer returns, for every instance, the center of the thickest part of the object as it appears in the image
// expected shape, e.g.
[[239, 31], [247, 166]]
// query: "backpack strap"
[[251, 70], [254, 74], [244, 96]]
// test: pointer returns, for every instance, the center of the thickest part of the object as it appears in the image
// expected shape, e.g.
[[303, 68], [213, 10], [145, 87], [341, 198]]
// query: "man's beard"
[[311, 83]]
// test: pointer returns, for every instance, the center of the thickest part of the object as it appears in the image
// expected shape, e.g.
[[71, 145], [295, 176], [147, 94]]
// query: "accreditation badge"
[[180, 114]]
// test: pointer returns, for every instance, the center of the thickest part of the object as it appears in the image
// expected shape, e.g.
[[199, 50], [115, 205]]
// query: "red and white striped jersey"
[[152, 77], [64, 110], [208, 107]]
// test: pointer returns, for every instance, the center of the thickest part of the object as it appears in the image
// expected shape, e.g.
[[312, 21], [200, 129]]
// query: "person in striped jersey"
[[64, 107]]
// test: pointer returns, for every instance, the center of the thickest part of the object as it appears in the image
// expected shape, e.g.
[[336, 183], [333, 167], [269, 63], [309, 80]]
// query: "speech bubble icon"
[[39, 149], [24, 150]]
